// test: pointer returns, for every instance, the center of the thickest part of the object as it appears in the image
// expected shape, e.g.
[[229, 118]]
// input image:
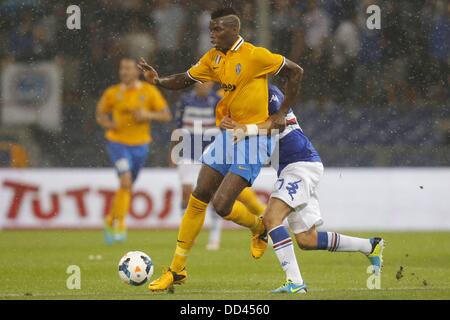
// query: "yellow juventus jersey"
[[243, 74], [120, 101]]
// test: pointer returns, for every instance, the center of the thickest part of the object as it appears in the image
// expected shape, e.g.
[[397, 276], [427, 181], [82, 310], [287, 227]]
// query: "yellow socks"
[[241, 215], [120, 207], [191, 224], [249, 198]]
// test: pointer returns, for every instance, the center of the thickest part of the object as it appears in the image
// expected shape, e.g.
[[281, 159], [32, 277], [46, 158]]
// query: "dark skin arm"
[[293, 75], [173, 82]]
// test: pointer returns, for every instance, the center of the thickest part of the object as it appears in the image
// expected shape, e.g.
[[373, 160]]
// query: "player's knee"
[[202, 194], [271, 221], [221, 208], [221, 205]]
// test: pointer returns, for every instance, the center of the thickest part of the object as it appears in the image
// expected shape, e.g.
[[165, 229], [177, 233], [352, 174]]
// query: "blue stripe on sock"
[[279, 234], [322, 240]]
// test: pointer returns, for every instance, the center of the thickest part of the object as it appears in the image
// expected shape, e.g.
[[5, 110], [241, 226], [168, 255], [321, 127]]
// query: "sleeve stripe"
[[192, 78], [281, 67]]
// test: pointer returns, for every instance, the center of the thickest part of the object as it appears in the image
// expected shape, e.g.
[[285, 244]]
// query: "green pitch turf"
[[33, 266]]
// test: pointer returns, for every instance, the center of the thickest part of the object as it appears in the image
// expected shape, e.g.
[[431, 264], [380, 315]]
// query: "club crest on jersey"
[[142, 98], [238, 68]]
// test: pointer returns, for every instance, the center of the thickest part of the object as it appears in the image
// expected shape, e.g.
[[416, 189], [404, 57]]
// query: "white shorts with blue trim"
[[297, 187]]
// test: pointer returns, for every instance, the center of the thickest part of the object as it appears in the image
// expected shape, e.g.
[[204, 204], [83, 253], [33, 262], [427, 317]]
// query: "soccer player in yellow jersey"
[[197, 108], [242, 69], [125, 111]]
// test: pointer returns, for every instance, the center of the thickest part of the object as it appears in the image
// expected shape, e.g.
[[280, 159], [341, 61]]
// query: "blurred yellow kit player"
[[125, 111]]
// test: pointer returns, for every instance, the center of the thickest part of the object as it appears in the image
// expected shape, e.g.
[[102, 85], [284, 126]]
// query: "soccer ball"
[[135, 268]]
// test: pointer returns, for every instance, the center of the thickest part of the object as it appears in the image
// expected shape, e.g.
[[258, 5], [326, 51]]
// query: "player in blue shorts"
[[196, 124], [125, 112]]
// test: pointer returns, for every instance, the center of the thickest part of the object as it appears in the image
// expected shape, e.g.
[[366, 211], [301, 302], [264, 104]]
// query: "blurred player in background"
[[294, 197], [242, 69], [198, 107], [125, 111]]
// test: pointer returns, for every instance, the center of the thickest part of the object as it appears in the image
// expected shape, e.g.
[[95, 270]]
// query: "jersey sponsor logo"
[[292, 188], [228, 87]]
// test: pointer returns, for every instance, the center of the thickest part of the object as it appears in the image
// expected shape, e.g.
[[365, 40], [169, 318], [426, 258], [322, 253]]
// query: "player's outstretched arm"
[[173, 82]]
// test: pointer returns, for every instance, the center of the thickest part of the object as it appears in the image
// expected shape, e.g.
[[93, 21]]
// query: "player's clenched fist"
[[239, 130], [277, 121], [148, 71]]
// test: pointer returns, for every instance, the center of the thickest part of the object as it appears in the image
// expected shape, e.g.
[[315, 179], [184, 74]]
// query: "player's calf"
[[277, 210], [333, 242], [307, 240], [207, 183]]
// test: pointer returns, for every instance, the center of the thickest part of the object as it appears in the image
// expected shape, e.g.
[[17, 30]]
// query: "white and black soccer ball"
[[135, 268]]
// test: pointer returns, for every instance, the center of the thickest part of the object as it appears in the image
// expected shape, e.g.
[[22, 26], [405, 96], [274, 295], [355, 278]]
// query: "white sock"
[[284, 250], [343, 243]]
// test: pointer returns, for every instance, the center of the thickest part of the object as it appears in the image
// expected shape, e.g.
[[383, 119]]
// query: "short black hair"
[[223, 12]]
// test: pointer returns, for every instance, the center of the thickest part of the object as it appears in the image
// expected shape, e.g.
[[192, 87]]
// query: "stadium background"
[[370, 99]]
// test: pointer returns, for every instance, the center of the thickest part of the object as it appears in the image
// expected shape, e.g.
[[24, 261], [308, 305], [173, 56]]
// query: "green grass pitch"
[[33, 265]]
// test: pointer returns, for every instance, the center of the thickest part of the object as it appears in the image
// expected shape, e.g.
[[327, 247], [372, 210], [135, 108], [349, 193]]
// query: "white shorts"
[[188, 171], [297, 187]]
